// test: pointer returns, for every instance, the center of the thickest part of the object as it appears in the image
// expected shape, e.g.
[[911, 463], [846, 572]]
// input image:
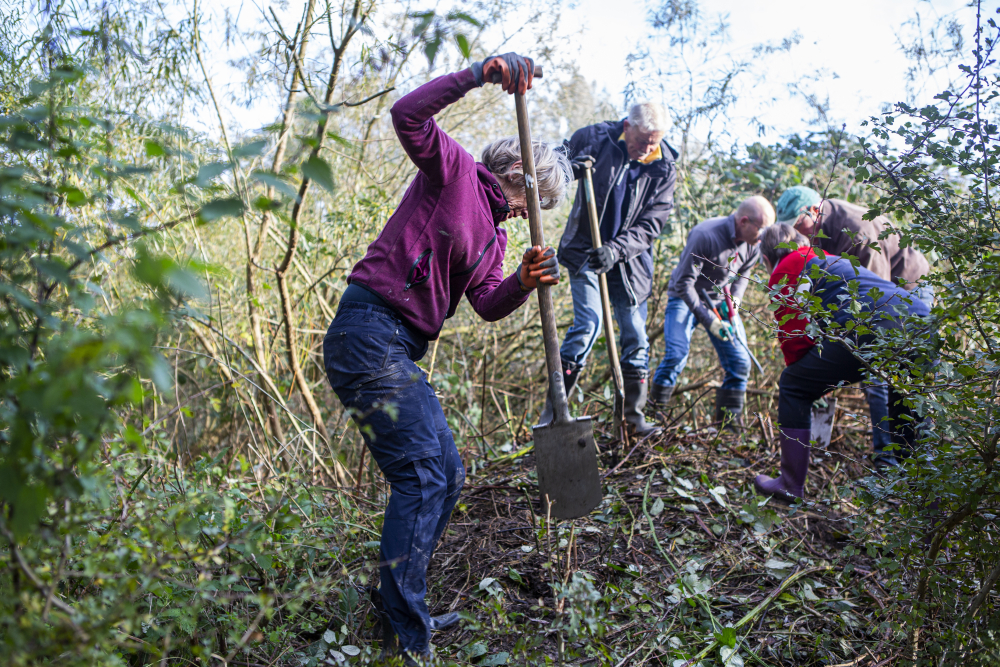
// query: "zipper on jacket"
[[628, 284], [611, 189], [621, 265], [478, 261], [410, 282]]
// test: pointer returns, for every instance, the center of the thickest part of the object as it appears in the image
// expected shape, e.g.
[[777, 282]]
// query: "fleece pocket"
[[420, 272]]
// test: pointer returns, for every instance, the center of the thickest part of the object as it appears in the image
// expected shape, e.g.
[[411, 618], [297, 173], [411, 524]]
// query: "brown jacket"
[[847, 232], [908, 266]]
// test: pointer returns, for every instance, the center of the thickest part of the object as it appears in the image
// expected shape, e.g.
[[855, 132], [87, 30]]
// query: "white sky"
[[852, 44], [852, 41]]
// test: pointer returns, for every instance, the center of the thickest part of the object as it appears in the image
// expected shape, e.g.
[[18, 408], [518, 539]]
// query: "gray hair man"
[[634, 178], [716, 262]]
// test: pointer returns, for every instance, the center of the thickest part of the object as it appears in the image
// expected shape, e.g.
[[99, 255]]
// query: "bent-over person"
[[845, 231], [443, 241], [813, 370], [716, 260]]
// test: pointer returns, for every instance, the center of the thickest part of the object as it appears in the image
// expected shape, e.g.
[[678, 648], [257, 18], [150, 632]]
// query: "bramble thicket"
[[179, 485]]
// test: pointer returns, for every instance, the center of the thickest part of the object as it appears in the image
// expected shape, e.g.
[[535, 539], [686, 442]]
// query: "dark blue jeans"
[[369, 355], [878, 408], [678, 326], [588, 323], [819, 372]]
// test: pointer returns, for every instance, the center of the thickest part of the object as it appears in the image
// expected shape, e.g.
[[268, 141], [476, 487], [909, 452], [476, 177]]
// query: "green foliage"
[[110, 554], [934, 170]]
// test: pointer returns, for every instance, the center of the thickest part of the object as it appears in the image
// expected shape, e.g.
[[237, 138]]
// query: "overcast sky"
[[850, 44], [848, 52]]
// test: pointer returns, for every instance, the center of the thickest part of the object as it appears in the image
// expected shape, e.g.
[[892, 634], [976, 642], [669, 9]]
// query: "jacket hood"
[[494, 195]]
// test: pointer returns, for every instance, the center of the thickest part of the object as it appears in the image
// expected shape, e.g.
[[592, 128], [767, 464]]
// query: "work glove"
[[721, 330], [516, 72], [580, 164], [538, 266], [600, 260]]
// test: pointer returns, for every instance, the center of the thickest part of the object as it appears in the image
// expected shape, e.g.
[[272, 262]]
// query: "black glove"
[[600, 260], [509, 66], [580, 164]]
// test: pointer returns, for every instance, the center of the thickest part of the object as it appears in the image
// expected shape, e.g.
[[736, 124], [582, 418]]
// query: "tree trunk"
[[254, 252], [291, 344]]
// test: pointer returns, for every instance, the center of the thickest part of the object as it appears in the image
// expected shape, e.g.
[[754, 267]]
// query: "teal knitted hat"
[[795, 201]]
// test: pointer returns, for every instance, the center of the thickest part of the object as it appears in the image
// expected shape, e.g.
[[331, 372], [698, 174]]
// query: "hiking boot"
[[884, 462], [444, 621]]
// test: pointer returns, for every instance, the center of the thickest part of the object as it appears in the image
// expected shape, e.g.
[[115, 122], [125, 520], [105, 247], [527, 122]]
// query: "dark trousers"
[[369, 355], [817, 373]]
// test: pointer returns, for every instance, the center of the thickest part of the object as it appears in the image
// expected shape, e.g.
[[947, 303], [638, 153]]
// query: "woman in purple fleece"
[[443, 241]]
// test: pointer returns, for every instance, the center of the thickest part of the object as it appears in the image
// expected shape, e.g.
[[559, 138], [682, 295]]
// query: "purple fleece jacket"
[[443, 240]]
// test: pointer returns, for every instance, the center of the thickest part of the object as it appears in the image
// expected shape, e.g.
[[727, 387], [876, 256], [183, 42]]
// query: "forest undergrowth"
[[682, 563], [180, 486]]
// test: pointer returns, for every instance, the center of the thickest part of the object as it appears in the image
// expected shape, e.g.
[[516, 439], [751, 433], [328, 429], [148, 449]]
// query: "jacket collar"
[[655, 168], [731, 228], [494, 195], [654, 155]]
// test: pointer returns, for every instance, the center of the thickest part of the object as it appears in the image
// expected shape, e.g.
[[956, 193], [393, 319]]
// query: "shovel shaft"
[[550, 336], [497, 77], [602, 281]]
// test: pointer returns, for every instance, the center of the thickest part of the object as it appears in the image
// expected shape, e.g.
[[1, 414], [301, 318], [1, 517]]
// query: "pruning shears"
[[729, 318]]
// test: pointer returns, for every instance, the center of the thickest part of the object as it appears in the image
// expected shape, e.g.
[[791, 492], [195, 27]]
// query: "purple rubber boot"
[[794, 465]]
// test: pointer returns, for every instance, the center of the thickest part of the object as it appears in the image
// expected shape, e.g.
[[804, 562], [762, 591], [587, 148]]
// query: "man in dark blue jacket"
[[634, 177]]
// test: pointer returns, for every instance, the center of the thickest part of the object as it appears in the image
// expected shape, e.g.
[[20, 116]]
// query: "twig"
[[28, 572], [246, 635], [759, 609]]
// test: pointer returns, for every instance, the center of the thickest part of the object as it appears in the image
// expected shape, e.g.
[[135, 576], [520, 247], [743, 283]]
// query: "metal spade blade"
[[567, 469], [566, 459]]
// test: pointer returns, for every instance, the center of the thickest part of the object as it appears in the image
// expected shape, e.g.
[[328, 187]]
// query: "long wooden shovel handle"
[[550, 336], [602, 280], [498, 77]]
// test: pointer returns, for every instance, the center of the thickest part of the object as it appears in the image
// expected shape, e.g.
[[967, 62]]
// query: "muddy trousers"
[[818, 373], [370, 356]]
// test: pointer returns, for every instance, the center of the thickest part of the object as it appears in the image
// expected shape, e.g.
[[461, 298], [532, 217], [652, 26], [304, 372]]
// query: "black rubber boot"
[[571, 372], [729, 408], [636, 388], [444, 621], [660, 394]]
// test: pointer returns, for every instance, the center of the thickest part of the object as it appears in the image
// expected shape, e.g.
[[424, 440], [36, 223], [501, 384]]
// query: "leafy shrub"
[[934, 168]]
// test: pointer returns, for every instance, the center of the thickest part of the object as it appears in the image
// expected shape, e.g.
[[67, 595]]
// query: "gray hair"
[[773, 236], [648, 117], [552, 168]]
